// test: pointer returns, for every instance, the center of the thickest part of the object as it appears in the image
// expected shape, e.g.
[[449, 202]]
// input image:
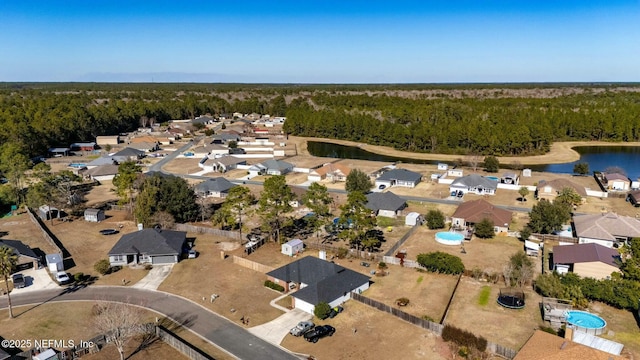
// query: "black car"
[[18, 281], [319, 332], [335, 311]]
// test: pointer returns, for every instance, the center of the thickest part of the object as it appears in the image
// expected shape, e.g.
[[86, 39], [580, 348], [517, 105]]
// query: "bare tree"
[[164, 219], [144, 120], [473, 160], [507, 272], [119, 322]]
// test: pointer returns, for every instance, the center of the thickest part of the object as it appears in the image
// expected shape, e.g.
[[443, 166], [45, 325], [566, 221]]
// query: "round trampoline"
[[449, 238], [511, 299]]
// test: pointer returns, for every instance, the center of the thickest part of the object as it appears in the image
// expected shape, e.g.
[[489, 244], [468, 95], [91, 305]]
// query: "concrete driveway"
[[154, 278], [275, 330], [36, 279]]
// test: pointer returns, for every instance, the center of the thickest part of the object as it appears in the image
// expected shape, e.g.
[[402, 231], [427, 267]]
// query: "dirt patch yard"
[[20, 227]]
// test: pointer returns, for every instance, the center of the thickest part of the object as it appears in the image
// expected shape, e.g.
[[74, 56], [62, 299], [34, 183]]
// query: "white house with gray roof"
[[318, 281], [271, 167], [399, 177], [148, 246], [475, 184], [216, 187], [385, 204], [605, 229]]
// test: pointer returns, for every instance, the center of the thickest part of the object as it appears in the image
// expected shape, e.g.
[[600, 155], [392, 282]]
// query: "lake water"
[[598, 157]]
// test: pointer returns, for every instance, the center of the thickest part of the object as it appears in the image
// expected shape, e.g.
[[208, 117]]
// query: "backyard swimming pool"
[[586, 322], [449, 238]]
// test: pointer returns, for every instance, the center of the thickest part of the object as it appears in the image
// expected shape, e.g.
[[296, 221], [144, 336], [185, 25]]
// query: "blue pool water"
[[449, 238], [493, 178], [77, 165], [585, 320]]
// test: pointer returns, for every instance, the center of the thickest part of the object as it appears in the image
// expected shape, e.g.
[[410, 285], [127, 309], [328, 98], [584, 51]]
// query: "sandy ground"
[[561, 152]]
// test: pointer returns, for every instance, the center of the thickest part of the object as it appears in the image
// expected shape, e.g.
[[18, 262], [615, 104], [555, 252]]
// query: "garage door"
[[169, 259]]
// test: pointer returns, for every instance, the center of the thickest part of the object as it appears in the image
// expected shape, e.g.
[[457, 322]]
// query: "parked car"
[[192, 254], [302, 328], [460, 194], [319, 332], [365, 264], [18, 281], [335, 311], [62, 277]]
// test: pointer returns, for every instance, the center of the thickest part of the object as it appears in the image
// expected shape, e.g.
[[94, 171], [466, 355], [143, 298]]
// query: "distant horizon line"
[[335, 83]]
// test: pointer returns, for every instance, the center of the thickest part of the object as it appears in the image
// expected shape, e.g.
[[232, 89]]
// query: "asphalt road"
[[225, 334]]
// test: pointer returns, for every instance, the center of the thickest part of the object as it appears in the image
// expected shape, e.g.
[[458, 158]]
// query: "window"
[[117, 258]]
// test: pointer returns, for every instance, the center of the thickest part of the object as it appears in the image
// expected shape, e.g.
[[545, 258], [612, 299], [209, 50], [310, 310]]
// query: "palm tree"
[[8, 261]]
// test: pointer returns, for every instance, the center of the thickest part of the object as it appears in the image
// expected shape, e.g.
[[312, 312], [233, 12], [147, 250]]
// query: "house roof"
[[476, 210], [384, 201], [102, 170], [129, 151], [294, 242], [582, 253], [635, 195], [325, 280], [475, 180], [226, 137], [143, 139], [400, 174], [58, 150], [144, 145], [92, 211], [202, 120], [19, 248], [217, 184], [230, 160], [106, 160], [545, 346], [616, 176], [83, 144], [606, 226], [559, 184], [332, 168], [150, 242], [273, 164]]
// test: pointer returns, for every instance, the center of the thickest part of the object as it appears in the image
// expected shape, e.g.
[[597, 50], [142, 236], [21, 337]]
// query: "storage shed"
[[94, 215], [413, 218], [292, 247], [54, 262]]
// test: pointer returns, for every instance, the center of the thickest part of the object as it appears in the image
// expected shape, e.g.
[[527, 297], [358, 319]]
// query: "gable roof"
[[129, 151], [559, 184], [143, 139], [475, 180], [476, 210], [545, 346], [400, 174], [101, 170], [606, 226], [150, 242], [384, 201], [19, 248], [331, 169], [325, 280], [581, 253], [230, 160], [616, 176], [273, 164], [217, 184]]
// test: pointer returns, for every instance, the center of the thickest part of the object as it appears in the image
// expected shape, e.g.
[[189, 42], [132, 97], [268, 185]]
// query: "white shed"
[[94, 215], [526, 173], [54, 262], [292, 247], [412, 219], [443, 166]]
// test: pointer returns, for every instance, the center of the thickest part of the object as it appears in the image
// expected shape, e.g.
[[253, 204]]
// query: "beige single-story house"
[[606, 229], [587, 260], [472, 212]]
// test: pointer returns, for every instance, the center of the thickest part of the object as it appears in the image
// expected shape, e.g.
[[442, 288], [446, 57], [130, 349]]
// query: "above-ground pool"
[[493, 178], [586, 322], [449, 238]]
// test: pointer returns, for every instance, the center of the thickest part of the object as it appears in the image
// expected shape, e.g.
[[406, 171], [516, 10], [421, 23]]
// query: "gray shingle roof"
[[280, 165], [475, 180], [325, 280], [581, 253], [606, 226], [128, 152], [400, 174], [218, 184], [18, 246], [150, 242], [384, 201], [102, 170]]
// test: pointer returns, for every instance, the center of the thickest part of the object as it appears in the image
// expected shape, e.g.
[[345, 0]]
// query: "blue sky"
[[328, 41]]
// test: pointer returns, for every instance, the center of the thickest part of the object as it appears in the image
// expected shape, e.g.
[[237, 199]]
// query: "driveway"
[[154, 278], [36, 279], [275, 330]]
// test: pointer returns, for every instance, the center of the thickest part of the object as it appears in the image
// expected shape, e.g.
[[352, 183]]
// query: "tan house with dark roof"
[[605, 229], [617, 182], [333, 172], [472, 212], [548, 190], [587, 260], [545, 346]]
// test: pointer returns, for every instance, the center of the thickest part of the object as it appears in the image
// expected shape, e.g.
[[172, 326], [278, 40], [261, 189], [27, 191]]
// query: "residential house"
[[27, 258], [385, 204], [227, 163], [145, 146], [94, 215], [634, 198], [224, 138], [472, 212], [216, 187], [617, 182], [330, 171], [544, 346], [548, 190], [101, 172], [606, 229], [177, 132], [298, 194], [148, 246], [164, 140], [209, 150], [271, 167], [129, 154], [399, 177], [587, 260], [318, 281], [474, 184], [204, 120], [83, 146], [110, 140]]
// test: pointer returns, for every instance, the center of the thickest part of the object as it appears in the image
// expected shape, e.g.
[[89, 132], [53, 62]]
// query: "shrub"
[[435, 219], [77, 277], [441, 262], [428, 318], [270, 284], [322, 310], [463, 338], [342, 253], [403, 301], [148, 267], [484, 229], [102, 266]]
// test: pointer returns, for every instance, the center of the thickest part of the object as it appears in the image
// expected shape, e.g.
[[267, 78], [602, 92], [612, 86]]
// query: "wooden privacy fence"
[[404, 238], [180, 344], [256, 266], [47, 234], [205, 230], [425, 324]]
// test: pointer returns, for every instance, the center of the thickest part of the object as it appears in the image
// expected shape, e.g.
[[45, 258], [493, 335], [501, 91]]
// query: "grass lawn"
[[483, 297], [621, 327]]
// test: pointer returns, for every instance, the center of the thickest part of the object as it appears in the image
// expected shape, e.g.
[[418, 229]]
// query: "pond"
[[598, 157]]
